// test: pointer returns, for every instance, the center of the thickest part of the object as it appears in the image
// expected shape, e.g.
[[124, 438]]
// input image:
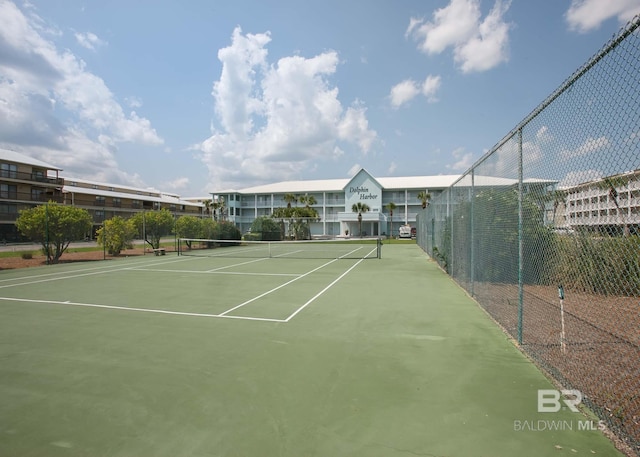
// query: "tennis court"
[[222, 354]]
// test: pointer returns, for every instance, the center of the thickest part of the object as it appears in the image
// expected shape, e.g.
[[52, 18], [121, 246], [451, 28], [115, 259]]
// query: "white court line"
[[214, 272], [276, 288], [77, 275], [237, 264], [144, 310], [323, 291], [109, 267]]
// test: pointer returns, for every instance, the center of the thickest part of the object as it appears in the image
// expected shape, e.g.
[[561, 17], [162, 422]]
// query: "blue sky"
[[195, 97]]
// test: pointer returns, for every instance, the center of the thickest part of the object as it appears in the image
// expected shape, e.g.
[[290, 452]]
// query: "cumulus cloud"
[[52, 106], [462, 160], [408, 89], [277, 119], [588, 146], [89, 40], [478, 44], [587, 15], [178, 183]]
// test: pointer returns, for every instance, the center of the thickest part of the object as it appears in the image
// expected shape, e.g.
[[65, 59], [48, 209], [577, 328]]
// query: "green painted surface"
[[391, 360]]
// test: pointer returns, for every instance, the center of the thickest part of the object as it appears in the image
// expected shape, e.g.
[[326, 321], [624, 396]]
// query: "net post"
[[379, 243], [179, 243]]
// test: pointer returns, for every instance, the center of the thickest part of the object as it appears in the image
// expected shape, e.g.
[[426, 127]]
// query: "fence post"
[[520, 240], [472, 242]]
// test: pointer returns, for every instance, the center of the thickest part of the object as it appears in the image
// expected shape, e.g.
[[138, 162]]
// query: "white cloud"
[[403, 92], [55, 108], [178, 183], [430, 86], [133, 102], [543, 135], [477, 45], [586, 15], [489, 46], [89, 40], [408, 89], [452, 25], [354, 169], [392, 168], [575, 178], [590, 145], [463, 160], [276, 120]]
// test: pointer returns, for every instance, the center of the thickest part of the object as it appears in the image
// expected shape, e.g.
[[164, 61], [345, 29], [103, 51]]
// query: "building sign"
[[363, 193], [363, 188]]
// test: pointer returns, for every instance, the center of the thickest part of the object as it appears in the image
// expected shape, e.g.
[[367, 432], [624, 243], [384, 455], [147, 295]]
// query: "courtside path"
[[386, 357]]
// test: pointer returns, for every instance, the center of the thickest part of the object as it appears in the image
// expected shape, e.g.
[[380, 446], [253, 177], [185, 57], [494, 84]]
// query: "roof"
[[13, 156], [157, 197], [338, 185]]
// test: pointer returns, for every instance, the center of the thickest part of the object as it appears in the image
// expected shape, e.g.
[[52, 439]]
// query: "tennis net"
[[310, 249]]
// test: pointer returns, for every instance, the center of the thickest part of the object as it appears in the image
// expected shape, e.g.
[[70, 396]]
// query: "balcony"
[[30, 177]]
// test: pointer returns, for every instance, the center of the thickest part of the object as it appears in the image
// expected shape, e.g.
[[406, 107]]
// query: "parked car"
[[404, 231]]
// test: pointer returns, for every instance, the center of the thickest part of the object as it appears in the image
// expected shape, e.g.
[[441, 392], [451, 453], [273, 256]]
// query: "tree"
[[153, 225], [218, 208], [611, 184], [308, 200], [54, 226], [265, 228], [390, 207], [424, 197], [116, 234], [207, 207], [290, 198], [360, 208], [189, 227], [299, 219]]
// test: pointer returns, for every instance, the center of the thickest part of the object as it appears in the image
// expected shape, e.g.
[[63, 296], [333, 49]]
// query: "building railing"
[[30, 177]]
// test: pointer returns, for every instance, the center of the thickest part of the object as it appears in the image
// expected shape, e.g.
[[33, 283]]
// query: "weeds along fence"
[[544, 232]]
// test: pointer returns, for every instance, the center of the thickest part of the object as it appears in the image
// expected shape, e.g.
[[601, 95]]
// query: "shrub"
[[27, 256]]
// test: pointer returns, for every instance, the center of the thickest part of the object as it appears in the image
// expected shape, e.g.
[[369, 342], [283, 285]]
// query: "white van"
[[404, 231]]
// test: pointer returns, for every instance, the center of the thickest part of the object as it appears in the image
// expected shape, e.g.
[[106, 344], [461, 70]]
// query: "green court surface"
[[195, 356]]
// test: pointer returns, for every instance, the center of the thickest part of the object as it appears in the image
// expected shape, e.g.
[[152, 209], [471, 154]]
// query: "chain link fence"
[[544, 232]]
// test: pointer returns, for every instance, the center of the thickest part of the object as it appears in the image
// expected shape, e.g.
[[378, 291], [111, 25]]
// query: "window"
[[8, 191], [117, 202], [136, 204], [38, 195], [100, 200], [8, 208], [8, 170]]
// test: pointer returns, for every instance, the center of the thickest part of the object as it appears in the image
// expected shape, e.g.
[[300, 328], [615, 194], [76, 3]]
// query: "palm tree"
[[207, 206], [611, 184], [424, 197], [308, 200], [390, 207], [218, 208], [290, 198], [360, 208]]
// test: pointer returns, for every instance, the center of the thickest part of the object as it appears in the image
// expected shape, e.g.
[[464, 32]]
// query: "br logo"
[[551, 400]]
